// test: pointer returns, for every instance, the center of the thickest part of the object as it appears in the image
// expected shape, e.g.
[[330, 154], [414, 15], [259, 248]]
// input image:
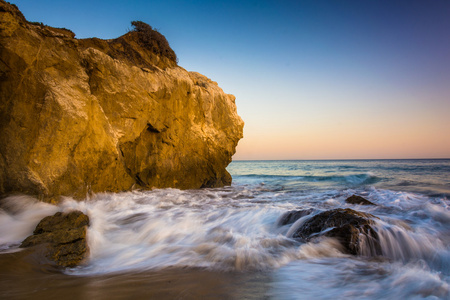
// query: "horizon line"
[[339, 159]]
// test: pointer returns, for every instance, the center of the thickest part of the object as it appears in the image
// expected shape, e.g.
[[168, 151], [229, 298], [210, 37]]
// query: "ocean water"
[[226, 243]]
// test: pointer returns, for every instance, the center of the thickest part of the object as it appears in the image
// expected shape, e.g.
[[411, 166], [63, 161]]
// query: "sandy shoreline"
[[22, 276]]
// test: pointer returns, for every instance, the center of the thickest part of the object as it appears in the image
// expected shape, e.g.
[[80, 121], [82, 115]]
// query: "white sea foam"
[[19, 215], [166, 228], [340, 278], [213, 229], [406, 244], [171, 228], [218, 229], [236, 229]]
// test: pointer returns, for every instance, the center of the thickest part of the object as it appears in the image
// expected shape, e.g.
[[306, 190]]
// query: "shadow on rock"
[[355, 199], [64, 236], [353, 229], [292, 216]]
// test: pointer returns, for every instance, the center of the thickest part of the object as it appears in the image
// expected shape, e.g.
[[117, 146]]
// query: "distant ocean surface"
[[226, 243], [427, 177]]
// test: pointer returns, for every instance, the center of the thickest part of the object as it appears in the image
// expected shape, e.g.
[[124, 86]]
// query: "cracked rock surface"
[[353, 229], [64, 236], [81, 116]]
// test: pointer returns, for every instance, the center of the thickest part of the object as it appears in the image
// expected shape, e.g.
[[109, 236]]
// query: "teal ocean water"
[[226, 243], [428, 177], [412, 202]]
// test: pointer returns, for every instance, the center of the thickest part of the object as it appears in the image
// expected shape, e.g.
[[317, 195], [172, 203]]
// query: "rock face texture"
[[65, 238], [80, 116], [352, 229]]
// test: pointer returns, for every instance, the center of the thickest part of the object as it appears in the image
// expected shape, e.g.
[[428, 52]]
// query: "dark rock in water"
[[358, 200], [65, 236], [60, 221], [350, 227], [292, 216]]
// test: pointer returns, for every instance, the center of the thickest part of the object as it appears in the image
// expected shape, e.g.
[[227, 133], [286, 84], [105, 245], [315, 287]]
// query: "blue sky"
[[313, 79]]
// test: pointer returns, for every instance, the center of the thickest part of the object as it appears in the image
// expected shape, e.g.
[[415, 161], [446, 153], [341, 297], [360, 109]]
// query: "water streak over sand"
[[227, 242]]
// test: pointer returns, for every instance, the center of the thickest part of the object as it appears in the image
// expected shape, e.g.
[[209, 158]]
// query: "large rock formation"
[[79, 116]]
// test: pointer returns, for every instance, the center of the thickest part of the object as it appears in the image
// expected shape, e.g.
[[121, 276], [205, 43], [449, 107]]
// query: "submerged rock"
[[65, 238], [91, 115], [355, 199], [292, 216], [348, 226]]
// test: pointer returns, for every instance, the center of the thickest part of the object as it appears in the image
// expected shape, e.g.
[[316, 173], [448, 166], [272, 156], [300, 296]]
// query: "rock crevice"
[[353, 229], [105, 115], [63, 236]]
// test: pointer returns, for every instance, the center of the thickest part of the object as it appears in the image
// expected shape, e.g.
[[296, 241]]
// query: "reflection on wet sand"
[[23, 276]]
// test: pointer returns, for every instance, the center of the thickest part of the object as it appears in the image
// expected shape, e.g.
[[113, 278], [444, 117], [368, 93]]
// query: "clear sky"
[[313, 79]]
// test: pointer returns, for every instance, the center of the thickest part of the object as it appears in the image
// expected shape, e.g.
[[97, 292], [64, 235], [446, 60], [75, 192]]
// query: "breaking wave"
[[238, 229]]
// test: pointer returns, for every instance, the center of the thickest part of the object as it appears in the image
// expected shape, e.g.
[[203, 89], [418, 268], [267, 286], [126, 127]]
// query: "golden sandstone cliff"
[[87, 116]]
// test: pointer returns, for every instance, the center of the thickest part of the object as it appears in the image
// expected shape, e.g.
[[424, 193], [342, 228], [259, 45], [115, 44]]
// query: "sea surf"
[[228, 242]]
